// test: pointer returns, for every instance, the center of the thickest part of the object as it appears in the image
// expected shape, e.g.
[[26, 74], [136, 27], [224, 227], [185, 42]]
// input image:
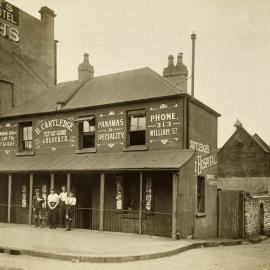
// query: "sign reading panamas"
[[54, 132], [111, 129], [9, 21]]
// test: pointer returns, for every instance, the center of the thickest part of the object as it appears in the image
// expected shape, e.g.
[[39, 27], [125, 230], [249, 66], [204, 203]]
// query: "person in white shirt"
[[70, 209], [53, 201], [62, 207]]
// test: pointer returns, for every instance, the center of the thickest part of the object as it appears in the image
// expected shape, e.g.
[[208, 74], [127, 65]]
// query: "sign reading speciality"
[[9, 21], [111, 129]]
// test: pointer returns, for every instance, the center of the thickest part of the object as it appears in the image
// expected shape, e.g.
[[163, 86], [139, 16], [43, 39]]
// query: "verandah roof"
[[155, 160]]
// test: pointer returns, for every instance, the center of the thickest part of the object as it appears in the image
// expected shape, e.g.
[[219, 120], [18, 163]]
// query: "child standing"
[[37, 208], [70, 209]]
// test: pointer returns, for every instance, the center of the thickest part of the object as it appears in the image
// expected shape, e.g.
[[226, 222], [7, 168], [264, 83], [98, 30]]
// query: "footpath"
[[94, 246]]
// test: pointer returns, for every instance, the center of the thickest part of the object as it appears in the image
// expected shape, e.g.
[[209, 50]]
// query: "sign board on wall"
[[54, 133], [9, 21], [164, 124], [205, 161], [8, 135], [111, 129]]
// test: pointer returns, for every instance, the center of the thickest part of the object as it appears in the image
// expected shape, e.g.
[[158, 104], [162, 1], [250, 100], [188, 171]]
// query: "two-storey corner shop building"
[[139, 152]]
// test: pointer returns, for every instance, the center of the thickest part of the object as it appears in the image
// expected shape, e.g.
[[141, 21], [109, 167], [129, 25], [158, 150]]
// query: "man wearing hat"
[[37, 207]]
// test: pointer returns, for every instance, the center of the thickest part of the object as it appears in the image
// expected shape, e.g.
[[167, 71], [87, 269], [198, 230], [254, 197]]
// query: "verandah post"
[[31, 180], [9, 196], [101, 202], [174, 201], [140, 207], [68, 182], [52, 180]]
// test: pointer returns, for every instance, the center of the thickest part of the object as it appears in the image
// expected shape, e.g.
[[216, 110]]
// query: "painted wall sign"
[[111, 129], [196, 146], [164, 124], [53, 133], [9, 21], [8, 135], [203, 162]]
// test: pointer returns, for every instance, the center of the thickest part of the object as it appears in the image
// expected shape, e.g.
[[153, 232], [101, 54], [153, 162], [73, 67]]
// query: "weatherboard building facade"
[[138, 151]]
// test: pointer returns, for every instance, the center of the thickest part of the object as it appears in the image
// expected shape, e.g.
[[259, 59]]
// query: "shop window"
[[127, 194], [137, 127], [87, 129], [26, 135], [200, 194]]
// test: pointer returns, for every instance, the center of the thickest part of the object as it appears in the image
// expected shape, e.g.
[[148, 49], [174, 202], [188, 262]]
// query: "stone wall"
[[253, 217]]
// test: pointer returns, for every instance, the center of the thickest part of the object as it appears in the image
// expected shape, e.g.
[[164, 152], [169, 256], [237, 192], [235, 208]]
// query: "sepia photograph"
[[134, 135]]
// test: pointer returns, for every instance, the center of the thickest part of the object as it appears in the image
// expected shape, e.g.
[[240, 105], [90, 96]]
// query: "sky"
[[232, 73]]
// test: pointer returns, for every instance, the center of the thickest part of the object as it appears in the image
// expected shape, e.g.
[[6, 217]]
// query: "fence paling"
[[3, 212], [153, 223]]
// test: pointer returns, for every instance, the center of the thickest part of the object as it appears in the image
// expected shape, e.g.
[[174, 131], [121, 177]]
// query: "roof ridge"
[[260, 140], [171, 86]]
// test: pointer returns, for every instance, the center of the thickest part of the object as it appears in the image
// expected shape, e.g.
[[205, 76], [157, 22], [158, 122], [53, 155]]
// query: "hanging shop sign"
[[9, 21], [8, 135], [148, 194], [111, 129], [24, 196], [53, 133], [119, 193], [164, 124]]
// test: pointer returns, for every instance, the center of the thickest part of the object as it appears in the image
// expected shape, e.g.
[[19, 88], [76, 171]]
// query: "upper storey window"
[[137, 127], [87, 130], [26, 135]]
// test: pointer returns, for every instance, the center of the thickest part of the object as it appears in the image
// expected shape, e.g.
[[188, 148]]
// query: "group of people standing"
[[60, 206]]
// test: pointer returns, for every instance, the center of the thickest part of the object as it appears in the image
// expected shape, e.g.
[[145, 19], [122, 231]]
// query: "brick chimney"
[[47, 15], [85, 70], [177, 74]]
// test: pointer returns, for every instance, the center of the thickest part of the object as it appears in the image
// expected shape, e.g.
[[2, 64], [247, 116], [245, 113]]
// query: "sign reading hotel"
[[111, 129], [8, 135], [53, 133], [9, 21], [164, 124]]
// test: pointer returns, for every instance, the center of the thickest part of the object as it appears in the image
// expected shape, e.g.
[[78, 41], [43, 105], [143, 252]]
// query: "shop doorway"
[[82, 187]]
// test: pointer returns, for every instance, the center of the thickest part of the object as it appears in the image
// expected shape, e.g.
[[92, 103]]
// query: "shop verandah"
[[123, 201], [133, 192]]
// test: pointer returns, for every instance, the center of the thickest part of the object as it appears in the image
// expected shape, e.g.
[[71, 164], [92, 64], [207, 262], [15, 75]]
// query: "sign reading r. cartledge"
[[9, 21]]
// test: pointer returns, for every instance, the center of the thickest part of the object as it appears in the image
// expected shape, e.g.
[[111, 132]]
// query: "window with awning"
[[87, 131]]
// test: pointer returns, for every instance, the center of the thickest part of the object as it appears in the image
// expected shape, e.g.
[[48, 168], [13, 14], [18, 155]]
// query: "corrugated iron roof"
[[108, 89], [128, 86], [160, 160]]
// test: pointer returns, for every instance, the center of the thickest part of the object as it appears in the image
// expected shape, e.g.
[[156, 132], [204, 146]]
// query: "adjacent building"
[[244, 183], [137, 149], [27, 55]]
